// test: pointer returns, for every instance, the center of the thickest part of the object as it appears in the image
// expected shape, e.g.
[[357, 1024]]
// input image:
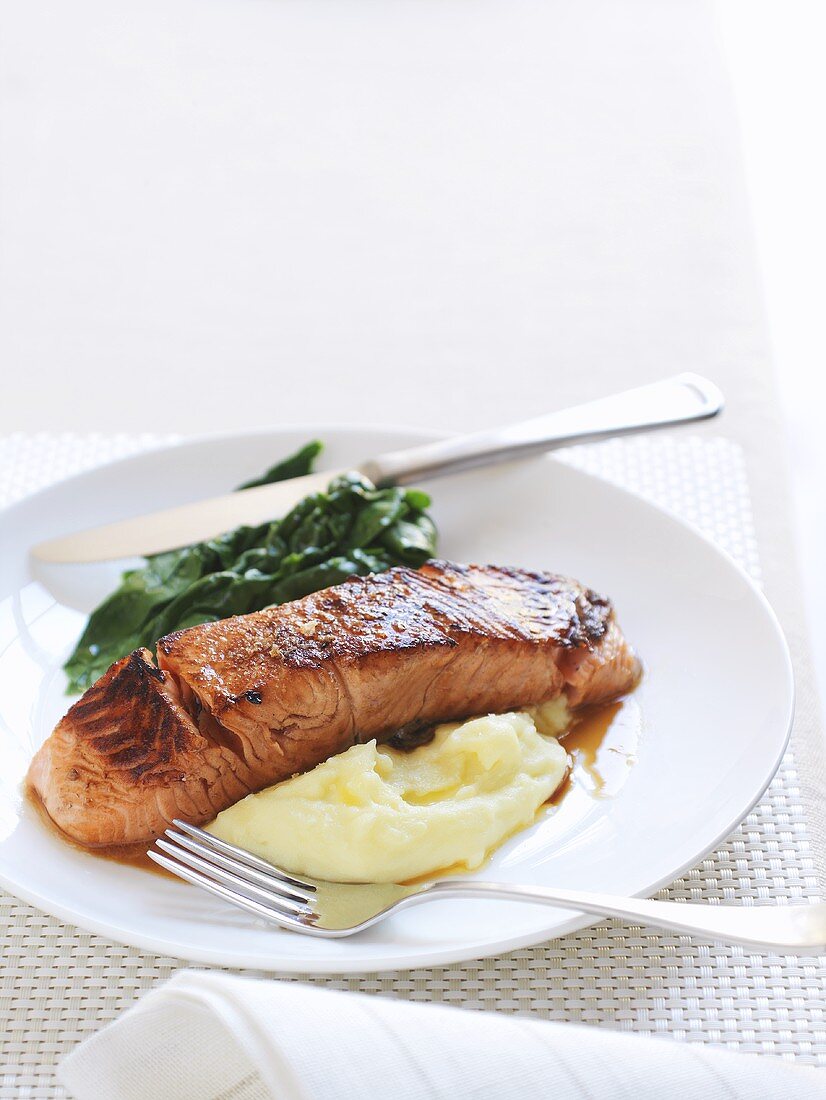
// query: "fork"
[[334, 909]]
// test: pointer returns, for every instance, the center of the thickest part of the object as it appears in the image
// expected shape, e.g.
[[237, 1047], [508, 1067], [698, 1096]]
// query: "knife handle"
[[678, 400]]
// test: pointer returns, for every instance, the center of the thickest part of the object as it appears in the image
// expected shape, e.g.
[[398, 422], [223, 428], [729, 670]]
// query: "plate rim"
[[387, 962]]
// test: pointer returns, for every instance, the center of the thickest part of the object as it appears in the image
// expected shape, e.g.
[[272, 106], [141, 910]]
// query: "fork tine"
[[269, 895], [229, 863], [283, 920], [240, 854]]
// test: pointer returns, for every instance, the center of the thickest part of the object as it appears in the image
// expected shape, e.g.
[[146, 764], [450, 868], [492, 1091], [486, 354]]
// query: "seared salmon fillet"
[[240, 704], [127, 757]]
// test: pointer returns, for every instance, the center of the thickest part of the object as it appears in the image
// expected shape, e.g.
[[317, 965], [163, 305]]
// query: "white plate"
[[714, 709]]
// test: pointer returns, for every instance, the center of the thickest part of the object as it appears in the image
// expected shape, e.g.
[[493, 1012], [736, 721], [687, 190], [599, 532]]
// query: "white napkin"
[[205, 1036]]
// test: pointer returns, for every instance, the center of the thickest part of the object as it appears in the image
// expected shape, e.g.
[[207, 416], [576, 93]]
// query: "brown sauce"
[[131, 855], [602, 744]]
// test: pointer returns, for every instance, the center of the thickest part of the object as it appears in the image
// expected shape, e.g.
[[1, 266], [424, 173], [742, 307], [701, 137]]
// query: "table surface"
[[57, 985], [217, 216]]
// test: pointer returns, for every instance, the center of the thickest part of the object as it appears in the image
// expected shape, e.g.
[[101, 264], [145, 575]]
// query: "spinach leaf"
[[350, 530], [412, 540], [296, 465]]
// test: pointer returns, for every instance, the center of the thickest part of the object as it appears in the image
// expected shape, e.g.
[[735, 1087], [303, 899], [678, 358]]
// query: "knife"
[[679, 400]]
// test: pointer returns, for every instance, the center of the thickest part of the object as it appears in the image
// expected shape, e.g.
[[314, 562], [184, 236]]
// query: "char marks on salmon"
[[236, 705]]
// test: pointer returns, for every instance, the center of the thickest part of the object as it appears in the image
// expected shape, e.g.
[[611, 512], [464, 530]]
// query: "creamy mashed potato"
[[374, 814]]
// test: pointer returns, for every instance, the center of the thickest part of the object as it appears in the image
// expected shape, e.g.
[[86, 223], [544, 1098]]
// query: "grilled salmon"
[[236, 705]]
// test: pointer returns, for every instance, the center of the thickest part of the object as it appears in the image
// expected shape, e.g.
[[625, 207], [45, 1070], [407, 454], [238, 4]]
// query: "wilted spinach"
[[352, 528]]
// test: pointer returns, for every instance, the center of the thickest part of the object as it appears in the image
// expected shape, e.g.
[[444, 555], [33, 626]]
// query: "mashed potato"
[[374, 814]]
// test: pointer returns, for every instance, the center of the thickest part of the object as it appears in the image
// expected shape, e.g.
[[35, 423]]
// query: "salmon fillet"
[[237, 705]]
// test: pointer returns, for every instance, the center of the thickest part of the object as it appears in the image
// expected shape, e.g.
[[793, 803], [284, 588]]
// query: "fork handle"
[[677, 400], [781, 926]]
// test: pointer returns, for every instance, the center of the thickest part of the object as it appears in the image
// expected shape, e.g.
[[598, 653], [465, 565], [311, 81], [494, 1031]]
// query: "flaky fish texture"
[[236, 705]]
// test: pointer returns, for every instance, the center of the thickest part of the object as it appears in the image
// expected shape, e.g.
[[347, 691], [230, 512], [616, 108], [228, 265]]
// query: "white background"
[[128, 304], [774, 52]]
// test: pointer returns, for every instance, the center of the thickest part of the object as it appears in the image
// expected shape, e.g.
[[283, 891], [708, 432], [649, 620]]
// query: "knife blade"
[[188, 523]]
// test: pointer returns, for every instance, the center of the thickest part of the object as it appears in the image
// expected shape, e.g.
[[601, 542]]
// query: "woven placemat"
[[60, 984]]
